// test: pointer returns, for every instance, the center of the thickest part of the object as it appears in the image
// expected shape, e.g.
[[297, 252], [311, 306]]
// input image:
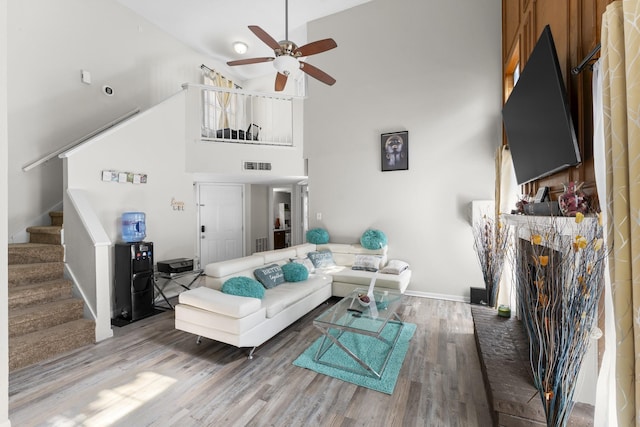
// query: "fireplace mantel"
[[564, 226]]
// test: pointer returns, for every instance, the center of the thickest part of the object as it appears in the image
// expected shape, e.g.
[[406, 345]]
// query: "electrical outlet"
[[319, 216]]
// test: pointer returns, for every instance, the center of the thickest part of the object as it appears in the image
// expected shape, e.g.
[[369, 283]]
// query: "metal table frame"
[[173, 277], [333, 324]]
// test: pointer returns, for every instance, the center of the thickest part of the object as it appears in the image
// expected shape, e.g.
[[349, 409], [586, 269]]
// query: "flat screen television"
[[537, 118]]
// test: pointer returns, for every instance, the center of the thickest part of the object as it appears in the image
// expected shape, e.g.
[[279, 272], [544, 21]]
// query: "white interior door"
[[221, 217]]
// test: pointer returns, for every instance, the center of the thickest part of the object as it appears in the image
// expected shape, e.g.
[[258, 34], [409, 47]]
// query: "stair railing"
[[79, 141]]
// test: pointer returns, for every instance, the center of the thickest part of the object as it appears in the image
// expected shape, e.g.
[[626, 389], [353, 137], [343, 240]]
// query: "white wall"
[[429, 67], [258, 216], [49, 107], [151, 143], [4, 316], [224, 161]]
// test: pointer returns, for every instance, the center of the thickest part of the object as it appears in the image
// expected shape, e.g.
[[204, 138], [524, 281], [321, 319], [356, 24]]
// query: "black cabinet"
[[279, 239], [133, 282]]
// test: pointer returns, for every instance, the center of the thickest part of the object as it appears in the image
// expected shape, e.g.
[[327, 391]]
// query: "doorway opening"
[[288, 214]]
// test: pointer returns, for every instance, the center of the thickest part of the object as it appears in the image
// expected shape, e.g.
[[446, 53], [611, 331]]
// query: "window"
[[222, 110]]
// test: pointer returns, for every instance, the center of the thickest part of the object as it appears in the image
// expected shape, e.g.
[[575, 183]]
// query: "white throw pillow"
[[395, 266], [367, 262]]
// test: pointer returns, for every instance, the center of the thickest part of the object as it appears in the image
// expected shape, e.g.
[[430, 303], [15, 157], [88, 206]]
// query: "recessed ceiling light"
[[240, 47]]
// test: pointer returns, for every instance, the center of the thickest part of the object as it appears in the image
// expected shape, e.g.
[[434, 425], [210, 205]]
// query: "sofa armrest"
[[218, 302]]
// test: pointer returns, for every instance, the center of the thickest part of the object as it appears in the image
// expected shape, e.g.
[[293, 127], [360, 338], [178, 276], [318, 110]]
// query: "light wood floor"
[[150, 374]]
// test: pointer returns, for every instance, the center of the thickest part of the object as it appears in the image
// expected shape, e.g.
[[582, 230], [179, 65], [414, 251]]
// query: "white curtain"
[[220, 109], [605, 410], [508, 195]]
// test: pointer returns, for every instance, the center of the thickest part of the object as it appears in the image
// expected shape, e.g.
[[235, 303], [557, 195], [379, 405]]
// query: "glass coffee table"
[[349, 316]]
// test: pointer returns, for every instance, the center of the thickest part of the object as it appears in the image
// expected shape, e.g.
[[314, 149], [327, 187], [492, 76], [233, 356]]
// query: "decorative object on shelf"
[[318, 236], [394, 151], [542, 195], [559, 273], [490, 239], [373, 239], [124, 177], [277, 224], [521, 205], [573, 199]]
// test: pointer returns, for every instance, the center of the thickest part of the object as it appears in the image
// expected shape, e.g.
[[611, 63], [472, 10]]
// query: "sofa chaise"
[[243, 321]]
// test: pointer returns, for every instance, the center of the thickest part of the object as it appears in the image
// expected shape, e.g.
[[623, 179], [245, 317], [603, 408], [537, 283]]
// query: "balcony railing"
[[240, 116]]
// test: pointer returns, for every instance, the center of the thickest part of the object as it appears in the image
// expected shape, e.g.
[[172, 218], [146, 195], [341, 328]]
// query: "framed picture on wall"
[[394, 151]]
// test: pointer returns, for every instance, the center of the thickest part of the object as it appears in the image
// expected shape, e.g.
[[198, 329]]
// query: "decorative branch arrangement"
[[490, 238], [559, 284]]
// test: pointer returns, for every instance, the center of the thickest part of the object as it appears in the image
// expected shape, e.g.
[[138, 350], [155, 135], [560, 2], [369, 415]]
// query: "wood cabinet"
[[279, 239], [575, 25]]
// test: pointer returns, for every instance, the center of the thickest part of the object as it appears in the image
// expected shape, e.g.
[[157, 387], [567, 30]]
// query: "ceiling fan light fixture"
[[286, 64], [240, 47]]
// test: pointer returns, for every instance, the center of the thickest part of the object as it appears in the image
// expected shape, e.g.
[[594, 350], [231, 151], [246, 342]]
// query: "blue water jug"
[[133, 226]]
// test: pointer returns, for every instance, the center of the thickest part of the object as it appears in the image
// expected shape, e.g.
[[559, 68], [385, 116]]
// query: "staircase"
[[45, 319]]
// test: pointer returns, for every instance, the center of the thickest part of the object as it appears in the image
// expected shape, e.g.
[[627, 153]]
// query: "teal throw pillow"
[[306, 262], [323, 258], [270, 276], [373, 239], [294, 272], [318, 236], [244, 287]]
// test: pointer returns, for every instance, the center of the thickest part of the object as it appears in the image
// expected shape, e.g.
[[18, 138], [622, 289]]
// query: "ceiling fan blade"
[[281, 82], [316, 47], [317, 73], [250, 61], [265, 37]]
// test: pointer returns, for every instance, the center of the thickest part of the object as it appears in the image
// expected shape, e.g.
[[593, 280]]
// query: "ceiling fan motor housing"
[[287, 48]]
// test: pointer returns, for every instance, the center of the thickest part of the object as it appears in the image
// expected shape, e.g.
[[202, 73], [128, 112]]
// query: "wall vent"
[[257, 166], [261, 244]]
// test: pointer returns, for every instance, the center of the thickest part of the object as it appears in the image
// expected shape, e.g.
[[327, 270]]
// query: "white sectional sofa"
[[249, 322]]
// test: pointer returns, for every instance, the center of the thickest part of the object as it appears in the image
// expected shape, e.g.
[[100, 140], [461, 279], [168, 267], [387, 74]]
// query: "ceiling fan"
[[287, 55]]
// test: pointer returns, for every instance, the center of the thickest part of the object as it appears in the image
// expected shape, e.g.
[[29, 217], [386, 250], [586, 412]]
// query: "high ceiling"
[[211, 26]]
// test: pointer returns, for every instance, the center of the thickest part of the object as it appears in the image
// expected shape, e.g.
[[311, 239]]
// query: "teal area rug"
[[371, 350]]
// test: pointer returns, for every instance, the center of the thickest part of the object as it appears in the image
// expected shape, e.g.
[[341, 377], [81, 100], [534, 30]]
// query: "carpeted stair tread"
[[25, 274], [56, 217], [26, 295], [35, 318], [45, 229], [45, 234], [29, 253], [45, 320], [37, 346]]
